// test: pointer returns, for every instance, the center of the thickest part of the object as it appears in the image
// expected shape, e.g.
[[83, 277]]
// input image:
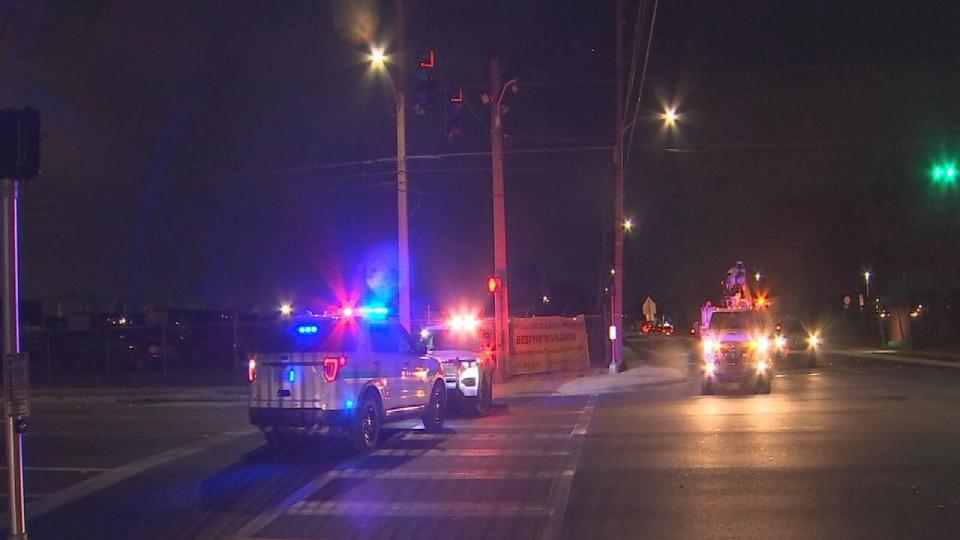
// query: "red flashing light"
[[430, 63], [252, 370], [493, 284], [332, 366]]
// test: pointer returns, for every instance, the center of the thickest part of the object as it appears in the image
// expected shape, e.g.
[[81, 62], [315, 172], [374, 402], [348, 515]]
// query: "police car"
[[463, 344], [343, 375]]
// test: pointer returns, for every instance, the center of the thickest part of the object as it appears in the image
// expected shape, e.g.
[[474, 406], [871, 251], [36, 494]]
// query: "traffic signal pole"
[[10, 271], [502, 302], [403, 225], [616, 304]]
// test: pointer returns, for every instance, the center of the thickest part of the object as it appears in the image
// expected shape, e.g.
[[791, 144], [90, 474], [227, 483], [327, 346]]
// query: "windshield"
[[740, 320], [447, 340], [307, 336]]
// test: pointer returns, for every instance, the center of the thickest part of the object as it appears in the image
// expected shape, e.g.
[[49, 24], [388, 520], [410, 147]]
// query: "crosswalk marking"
[[402, 474], [406, 509], [470, 452]]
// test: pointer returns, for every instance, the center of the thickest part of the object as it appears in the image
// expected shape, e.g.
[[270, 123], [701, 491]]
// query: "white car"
[[468, 364], [344, 376]]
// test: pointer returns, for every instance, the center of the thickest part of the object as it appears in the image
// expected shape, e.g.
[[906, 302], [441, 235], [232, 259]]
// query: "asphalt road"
[[847, 450]]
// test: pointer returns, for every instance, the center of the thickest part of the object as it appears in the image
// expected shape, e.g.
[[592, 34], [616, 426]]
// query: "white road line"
[[255, 525], [415, 474], [406, 509], [113, 476], [417, 436], [560, 490], [81, 470], [470, 452]]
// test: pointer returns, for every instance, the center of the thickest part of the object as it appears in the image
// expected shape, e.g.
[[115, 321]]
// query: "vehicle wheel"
[[812, 361], [480, 405], [278, 439], [758, 384], [365, 426], [706, 387], [767, 383], [436, 408]]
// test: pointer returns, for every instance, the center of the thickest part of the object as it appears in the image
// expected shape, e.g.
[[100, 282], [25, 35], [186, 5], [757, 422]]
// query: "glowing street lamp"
[[628, 224], [286, 309], [866, 281], [377, 57]]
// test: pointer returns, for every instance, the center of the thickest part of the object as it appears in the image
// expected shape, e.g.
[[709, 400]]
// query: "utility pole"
[[403, 225], [616, 304], [10, 270], [502, 302]]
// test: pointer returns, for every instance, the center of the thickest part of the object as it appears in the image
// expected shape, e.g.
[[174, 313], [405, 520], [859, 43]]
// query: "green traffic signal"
[[944, 172]]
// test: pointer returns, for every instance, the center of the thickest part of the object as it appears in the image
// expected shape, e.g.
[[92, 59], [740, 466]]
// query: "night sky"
[[194, 152]]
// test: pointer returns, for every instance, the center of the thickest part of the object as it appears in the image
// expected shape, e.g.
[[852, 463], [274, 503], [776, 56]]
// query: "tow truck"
[[464, 345], [736, 338]]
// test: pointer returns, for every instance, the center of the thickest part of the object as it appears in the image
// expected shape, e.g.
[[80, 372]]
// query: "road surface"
[[847, 450]]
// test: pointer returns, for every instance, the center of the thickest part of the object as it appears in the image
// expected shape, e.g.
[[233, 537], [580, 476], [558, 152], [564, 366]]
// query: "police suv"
[[343, 375], [463, 344]]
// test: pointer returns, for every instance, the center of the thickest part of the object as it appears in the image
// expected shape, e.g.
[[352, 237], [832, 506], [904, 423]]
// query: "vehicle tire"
[[767, 384], [436, 408], [365, 425], [706, 387], [279, 439], [811, 361], [479, 405], [758, 383]]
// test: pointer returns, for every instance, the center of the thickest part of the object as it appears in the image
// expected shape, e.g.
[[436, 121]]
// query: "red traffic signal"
[[493, 284]]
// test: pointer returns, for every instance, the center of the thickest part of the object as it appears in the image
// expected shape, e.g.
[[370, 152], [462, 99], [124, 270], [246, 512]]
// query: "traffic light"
[[424, 85], [944, 172], [454, 109], [19, 144]]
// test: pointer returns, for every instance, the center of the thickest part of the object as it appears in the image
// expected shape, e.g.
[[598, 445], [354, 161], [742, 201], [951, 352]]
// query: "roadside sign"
[[649, 309], [16, 384]]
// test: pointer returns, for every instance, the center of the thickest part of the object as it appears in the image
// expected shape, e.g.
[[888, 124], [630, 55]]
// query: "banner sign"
[[543, 344]]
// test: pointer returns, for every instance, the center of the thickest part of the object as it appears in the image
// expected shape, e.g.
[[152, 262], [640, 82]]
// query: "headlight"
[[761, 344], [709, 367], [710, 346], [762, 365], [813, 340], [780, 342]]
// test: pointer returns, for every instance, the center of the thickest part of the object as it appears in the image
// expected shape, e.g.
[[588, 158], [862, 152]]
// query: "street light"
[[866, 280], [757, 277], [286, 309], [377, 58], [628, 224]]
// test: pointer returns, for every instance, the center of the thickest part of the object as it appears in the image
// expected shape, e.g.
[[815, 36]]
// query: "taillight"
[[252, 370], [331, 367]]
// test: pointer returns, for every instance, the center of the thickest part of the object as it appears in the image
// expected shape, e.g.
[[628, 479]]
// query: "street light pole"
[[403, 230]]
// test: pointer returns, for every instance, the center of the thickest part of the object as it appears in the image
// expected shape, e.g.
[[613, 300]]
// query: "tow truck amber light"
[[252, 370], [332, 366]]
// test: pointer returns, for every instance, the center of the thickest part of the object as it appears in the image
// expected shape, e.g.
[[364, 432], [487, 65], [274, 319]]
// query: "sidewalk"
[[923, 358], [591, 381]]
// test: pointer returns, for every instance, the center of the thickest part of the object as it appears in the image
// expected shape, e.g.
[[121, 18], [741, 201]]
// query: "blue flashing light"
[[307, 329], [350, 404], [367, 312], [291, 375]]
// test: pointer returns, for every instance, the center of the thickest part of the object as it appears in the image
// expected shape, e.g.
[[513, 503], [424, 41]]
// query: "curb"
[[897, 358], [613, 390]]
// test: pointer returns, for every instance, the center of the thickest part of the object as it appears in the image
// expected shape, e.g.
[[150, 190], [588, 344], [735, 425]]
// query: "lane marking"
[[470, 452], [81, 470], [406, 509], [481, 436], [114, 476], [560, 490], [258, 523], [490, 474]]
